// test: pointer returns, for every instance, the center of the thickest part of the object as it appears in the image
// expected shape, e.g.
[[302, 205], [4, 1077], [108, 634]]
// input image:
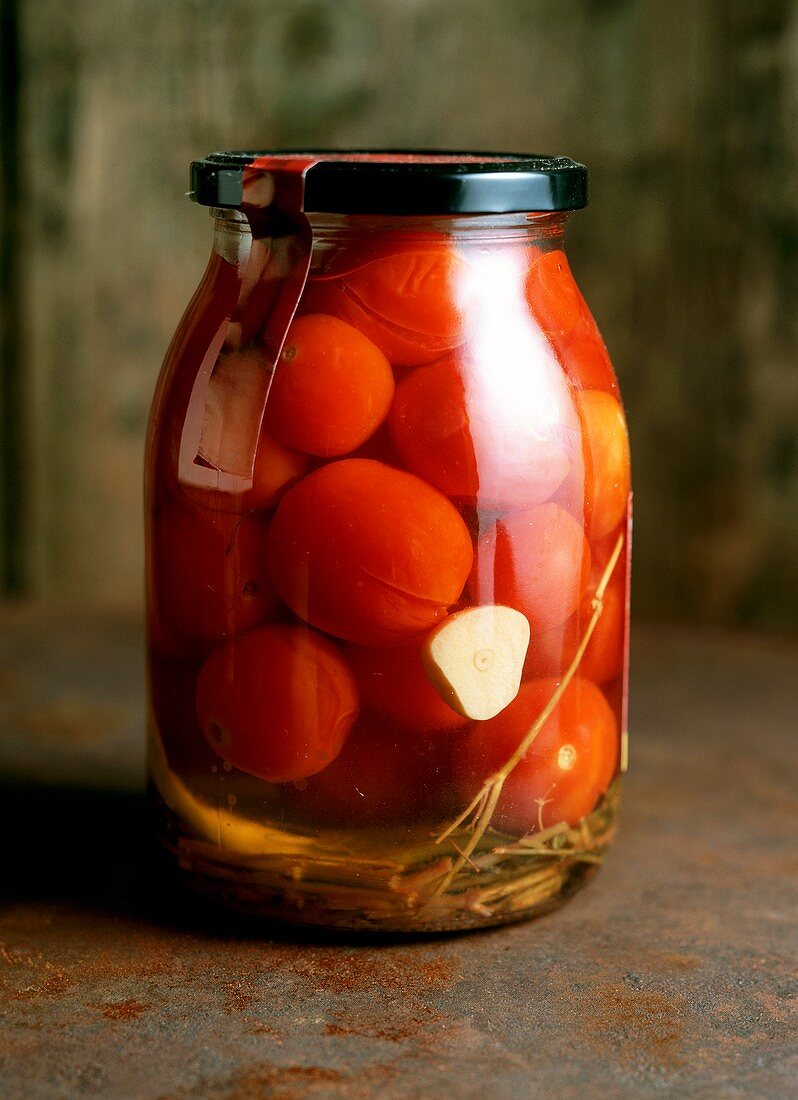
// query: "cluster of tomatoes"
[[405, 470]]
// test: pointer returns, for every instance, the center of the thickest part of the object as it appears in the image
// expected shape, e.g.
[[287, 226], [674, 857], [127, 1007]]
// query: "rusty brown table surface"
[[673, 974]]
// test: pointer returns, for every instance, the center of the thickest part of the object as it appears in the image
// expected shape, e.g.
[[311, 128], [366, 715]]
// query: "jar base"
[[376, 886]]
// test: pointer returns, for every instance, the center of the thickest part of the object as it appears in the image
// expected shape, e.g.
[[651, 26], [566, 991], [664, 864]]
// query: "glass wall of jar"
[[388, 676]]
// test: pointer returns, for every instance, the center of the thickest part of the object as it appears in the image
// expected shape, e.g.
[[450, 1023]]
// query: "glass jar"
[[388, 511]]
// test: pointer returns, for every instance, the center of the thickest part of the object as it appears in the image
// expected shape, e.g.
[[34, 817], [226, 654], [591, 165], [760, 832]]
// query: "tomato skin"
[[537, 561], [553, 295], [411, 298], [607, 461], [331, 389], [393, 683], [211, 575], [380, 777], [402, 348], [552, 651], [563, 314], [414, 289], [468, 446], [368, 553], [585, 358], [614, 692], [277, 702], [567, 768]]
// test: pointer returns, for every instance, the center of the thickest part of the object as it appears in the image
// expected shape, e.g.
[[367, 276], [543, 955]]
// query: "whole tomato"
[[567, 767], [551, 651], [553, 295], [450, 426], [277, 702], [585, 358], [537, 561], [606, 460], [563, 314], [368, 553], [409, 296], [331, 390]]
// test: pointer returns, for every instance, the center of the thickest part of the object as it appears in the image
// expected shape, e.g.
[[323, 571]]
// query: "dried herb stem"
[[299, 877]]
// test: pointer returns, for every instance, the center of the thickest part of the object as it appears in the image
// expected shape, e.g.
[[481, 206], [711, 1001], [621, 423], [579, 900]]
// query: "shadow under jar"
[[388, 507]]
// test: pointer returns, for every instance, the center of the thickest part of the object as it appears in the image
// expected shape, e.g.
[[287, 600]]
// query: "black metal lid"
[[408, 182]]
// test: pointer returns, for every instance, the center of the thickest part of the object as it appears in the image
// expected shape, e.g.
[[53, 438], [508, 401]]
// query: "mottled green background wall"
[[686, 113]]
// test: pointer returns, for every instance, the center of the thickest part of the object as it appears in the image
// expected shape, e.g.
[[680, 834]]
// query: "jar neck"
[[232, 231], [232, 236], [472, 227]]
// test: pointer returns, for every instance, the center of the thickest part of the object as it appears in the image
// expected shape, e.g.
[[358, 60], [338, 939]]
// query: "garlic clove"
[[474, 659]]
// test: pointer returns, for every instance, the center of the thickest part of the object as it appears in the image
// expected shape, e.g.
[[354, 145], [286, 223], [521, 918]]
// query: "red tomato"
[[585, 358], [563, 314], [393, 683], [451, 429], [411, 298], [537, 561], [368, 553], [553, 294], [332, 387], [567, 768], [416, 290], [615, 692], [380, 777], [276, 469], [551, 651], [400, 346], [607, 461], [603, 659], [211, 575], [277, 702]]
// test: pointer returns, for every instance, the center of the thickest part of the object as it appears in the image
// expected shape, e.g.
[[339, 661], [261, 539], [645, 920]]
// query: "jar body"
[[388, 660]]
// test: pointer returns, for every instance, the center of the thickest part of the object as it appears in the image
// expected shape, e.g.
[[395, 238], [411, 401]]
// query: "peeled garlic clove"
[[475, 657]]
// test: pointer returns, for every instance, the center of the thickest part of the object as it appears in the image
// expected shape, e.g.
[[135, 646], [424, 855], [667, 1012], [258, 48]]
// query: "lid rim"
[[448, 182]]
